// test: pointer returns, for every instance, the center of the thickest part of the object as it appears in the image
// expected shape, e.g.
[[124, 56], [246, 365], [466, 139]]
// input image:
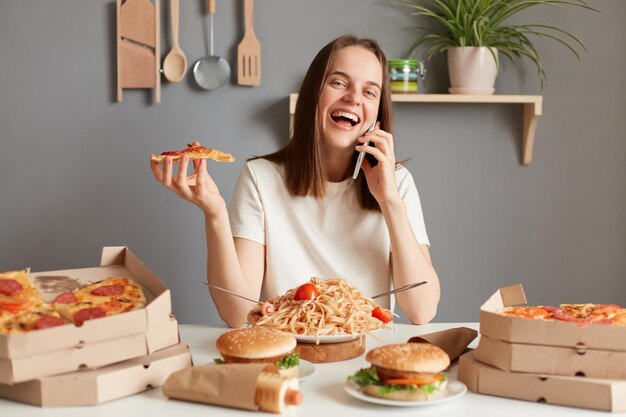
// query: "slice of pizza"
[[587, 313], [34, 318], [195, 152], [577, 311], [107, 297], [528, 312], [17, 292], [598, 313], [567, 312], [582, 314]]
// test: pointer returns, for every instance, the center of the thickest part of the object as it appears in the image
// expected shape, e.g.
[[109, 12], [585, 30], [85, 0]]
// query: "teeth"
[[350, 116]]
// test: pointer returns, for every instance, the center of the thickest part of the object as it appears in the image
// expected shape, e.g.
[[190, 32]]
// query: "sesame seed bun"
[[409, 357], [254, 344]]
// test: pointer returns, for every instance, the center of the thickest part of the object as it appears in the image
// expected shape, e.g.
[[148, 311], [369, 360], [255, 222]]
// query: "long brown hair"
[[302, 157]]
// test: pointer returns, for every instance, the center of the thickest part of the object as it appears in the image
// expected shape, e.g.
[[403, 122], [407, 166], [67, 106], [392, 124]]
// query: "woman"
[[298, 213]]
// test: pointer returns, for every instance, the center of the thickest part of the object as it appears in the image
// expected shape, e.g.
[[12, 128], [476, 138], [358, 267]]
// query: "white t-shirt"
[[306, 237]]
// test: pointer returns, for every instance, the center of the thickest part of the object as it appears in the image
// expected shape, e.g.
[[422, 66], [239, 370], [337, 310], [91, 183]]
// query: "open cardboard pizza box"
[[553, 360], [591, 393], [96, 343], [544, 332], [103, 384]]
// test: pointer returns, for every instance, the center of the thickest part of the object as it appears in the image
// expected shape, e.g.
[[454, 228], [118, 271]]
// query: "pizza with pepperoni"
[[581, 314], [103, 298], [22, 308]]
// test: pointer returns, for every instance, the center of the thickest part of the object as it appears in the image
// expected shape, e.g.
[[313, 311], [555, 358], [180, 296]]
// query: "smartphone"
[[359, 161]]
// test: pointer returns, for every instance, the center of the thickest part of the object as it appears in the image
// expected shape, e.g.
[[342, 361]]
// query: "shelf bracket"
[[532, 112]]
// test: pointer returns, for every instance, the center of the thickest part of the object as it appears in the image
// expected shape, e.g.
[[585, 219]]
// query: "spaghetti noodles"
[[338, 309]]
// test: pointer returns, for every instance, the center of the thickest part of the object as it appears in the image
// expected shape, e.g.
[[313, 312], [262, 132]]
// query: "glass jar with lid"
[[404, 75]]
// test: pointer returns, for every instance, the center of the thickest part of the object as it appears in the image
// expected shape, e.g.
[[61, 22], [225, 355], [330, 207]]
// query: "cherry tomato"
[[382, 314], [267, 308], [306, 291]]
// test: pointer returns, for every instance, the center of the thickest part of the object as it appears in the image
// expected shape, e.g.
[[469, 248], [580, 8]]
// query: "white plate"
[[454, 390], [306, 369], [335, 338]]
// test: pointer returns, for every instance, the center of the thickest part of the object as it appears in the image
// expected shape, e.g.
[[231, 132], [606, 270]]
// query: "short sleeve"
[[408, 192], [247, 218]]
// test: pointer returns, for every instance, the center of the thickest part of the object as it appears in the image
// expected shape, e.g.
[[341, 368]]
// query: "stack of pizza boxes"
[[548, 361], [105, 358]]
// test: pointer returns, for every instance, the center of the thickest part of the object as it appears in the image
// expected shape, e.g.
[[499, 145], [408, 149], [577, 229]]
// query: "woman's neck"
[[336, 165]]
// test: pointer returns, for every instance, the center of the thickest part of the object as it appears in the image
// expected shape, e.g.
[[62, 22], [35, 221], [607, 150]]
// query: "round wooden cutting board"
[[331, 352]]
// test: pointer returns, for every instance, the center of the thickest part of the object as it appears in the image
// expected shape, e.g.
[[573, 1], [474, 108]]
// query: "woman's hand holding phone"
[[381, 177]]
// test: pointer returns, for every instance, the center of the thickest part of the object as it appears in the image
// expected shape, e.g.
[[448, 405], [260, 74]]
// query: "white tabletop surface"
[[323, 391]]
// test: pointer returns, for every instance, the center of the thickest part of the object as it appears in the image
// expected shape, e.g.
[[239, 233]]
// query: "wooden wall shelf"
[[531, 106]]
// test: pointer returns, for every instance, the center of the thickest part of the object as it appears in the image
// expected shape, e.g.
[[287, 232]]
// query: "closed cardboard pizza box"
[[90, 355], [97, 342], [553, 360], [590, 393], [544, 332], [104, 384]]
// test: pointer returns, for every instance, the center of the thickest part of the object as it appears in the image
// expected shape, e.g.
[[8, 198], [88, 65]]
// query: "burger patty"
[[385, 374], [235, 359]]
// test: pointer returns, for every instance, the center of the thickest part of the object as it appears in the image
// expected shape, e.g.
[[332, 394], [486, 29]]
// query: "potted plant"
[[474, 32]]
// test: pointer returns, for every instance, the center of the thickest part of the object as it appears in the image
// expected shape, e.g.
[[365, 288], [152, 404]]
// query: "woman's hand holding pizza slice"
[[198, 188]]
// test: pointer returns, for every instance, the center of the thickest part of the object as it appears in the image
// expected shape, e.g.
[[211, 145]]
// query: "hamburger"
[[405, 372], [260, 345]]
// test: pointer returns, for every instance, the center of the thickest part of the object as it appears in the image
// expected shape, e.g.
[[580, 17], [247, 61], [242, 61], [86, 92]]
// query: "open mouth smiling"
[[345, 119]]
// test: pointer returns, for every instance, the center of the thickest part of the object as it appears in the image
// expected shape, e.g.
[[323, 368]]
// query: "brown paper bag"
[[453, 341], [232, 385]]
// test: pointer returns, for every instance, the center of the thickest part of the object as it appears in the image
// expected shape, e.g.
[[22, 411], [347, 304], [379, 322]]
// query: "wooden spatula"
[[249, 51]]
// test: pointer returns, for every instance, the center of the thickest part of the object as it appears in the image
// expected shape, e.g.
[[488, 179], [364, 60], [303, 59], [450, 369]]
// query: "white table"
[[323, 391]]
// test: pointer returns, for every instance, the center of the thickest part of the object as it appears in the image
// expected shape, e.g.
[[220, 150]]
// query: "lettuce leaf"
[[288, 361], [365, 377], [368, 376]]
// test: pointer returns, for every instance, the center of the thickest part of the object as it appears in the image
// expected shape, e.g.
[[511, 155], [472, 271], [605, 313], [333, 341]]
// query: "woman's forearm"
[[224, 269], [410, 262]]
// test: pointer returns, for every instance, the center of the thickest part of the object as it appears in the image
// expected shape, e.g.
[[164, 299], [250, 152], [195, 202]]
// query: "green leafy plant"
[[483, 23], [288, 361]]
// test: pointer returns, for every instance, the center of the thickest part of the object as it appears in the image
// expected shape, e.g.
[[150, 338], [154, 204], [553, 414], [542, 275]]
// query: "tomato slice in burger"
[[305, 292], [414, 381], [382, 314]]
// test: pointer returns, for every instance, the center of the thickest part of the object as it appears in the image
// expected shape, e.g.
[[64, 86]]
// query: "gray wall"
[[74, 172]]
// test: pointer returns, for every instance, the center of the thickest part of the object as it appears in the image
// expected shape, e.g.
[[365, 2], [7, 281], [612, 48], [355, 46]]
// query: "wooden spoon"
[[175, 64]]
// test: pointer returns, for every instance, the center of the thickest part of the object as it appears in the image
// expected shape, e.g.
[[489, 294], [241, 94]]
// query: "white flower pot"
[[472, 70]]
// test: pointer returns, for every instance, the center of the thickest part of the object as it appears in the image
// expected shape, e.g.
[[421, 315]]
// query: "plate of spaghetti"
[[322, 311]]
